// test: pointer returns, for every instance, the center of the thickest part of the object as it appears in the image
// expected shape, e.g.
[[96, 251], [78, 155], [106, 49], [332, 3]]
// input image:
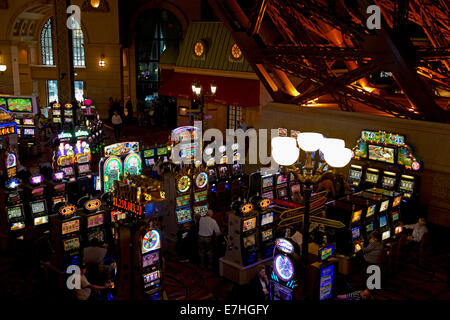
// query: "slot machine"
[[236, 170], [369, 224], [212, 175], [132, 164], [83, 167], [382, 208], [389, 180], [94, 221], [37, 209], [163, 152], [56, 114], [200, 205], [267, 190], [57, 190], [349, 241], [283, 278], [64, 160], [14, 215], [242, 235], [148, 156], [29, 130], [266, 227], [322, 273], [372, 177], [183, 209], [223, 173], [68, 113], [355, 176], [65, 236], [407, 186], [110, 170], [282, 187], [150, 263]]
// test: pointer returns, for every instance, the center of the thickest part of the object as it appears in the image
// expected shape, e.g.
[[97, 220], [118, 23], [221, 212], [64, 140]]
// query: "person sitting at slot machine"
[[356, 295], [259, 285], [327, 184], [157, 169], [84, 292], [374, 249], [419, 229], [93, 257], [206, 229]]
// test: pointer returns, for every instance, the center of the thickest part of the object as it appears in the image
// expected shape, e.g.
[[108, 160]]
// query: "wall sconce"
[[213, 88], [3, 66], [102, 62], [95, 3]]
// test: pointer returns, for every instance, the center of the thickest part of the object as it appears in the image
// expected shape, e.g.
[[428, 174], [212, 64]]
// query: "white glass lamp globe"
[[338, 158], [330, 143], [310, 141], [284, 150]]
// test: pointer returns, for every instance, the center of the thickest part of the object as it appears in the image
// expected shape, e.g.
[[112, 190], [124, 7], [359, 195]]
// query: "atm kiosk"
[[94, 221], [355, 175], [200, 203], [266, 227], [37, 205], [65, 236], [322, 274], [242, 235], [282, 190], [283, 278], [267, 186], [14, 209]]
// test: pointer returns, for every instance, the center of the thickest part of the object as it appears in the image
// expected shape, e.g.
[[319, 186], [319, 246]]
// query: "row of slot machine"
[[222, 172], [62, 115], [251, 231], [150, 155], [278, 186], [26, 129]]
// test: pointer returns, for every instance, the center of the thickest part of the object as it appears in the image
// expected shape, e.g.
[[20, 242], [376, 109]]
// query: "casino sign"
[[8, 128], [127, 206]]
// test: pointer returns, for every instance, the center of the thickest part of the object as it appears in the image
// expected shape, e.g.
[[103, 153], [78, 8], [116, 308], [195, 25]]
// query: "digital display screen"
[[237, 169], [201, 196], [162, 151], [150, 259], [397, 201], [266, 235], [281, 179], [371, 210], [56, 112], [326, 253], [386, 235], [356, 216], [398, 229], [355, 174], [95, 221], [407, 185], [37, 207], [57, 120], [295, 188], [384, 205], [371, 177], [395, 216], [151, 277], [149, 153], [70, 226], [383, 221], [201, 210], [282, 192], [14, 212], [184, 215], [266, 218], [84, 168], [28, 122], [40, 220], [249, 224], [17, 226], [369, 227], [183, 200], [249, 241], [223, 171], [388, 182], [267, 182], [20, 105], [68, 171], [355, 233], [210, 162], [211, 173], [60, 199], [149, 162], [71, 244], [381, 153], [268, 195], [28, 131], [326, 283]]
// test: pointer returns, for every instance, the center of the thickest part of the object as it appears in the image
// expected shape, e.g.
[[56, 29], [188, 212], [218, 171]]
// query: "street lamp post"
[[197, 90], [285, 152]]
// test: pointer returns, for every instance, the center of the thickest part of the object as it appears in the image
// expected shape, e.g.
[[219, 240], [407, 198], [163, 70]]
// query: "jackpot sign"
[[127, 206]]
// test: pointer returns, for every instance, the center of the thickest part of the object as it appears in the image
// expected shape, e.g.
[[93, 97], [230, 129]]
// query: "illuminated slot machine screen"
[[237, 169], [212, 174], [201, 196], [17, 226], [398, 229], [384, 206], [381, 153], [281, 179], [19, 131], [183, 200], [68, 171], [59, 199], [268, 195], [355, 174], [326, 253], [37, 207], [28, 122], [98, 234], [267, 182], [383, 221], [56, 112], [149, 153], [17, 121], [407, 185], [71, 244], [150, 259], [68, 120], [14, 212], [57, 120], [397, 201], [356, 216], [70, 226], [395, 216], [249, 241], [326, 283], [249, 224], [282, 192], [84, 168], [118, 215], [280, 292], [210, 162], [40, 220], [201, 210], [267, 235], [295, 188], [149, 162], [28, 131], [369, 227], [388, 182], [151, 279], [372, 177], [161, 151], [223, 172], [386, 235], [95, 221], [183, 215], [356, 233], [21, 105], [266, 218], [371, 210]]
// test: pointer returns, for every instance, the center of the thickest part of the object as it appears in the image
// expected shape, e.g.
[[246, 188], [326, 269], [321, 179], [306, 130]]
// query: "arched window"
[[47, 43], [77, 43]]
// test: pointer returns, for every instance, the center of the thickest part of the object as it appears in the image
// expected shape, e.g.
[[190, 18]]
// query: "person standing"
[[207, 228], [117, 123]]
